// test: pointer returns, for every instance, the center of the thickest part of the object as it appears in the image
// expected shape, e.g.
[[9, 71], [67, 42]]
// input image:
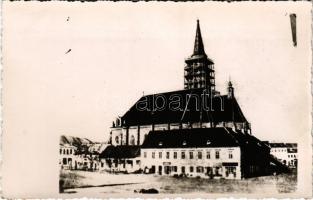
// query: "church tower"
[[199, 69], [230, 90]]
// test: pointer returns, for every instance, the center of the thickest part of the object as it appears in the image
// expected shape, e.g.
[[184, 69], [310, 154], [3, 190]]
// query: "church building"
[[194, 132]]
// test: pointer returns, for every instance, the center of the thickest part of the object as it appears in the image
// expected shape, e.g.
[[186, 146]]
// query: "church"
[[194, 132]]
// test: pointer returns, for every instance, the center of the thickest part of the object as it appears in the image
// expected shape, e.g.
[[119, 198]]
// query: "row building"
[[287, 153]]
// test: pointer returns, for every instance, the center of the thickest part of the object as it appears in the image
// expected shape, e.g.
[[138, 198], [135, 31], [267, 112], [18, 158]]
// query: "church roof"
[[217, 109]]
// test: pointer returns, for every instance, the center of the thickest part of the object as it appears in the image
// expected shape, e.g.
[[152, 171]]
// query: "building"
[[205, 152], [67, 156], [287, 153], [121, 159], [186, 124], [75, 155]]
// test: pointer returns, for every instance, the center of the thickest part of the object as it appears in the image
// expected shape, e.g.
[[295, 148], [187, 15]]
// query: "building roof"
[[199, 138], [221, 109], [75, 141], [292, 150], [283, 145], [198, 47], [120, 152], [203, 137], [67, 146]]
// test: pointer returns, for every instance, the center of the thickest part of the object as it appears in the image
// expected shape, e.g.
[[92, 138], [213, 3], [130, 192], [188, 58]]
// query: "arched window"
[[132, 140], [117, 140], [67, 151]]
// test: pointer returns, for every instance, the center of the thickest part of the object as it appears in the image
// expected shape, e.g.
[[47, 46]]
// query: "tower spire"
[[199, 71], [198, 48]]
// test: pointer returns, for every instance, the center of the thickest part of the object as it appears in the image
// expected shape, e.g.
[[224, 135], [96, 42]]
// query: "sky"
[[116, 57], [118, 51]]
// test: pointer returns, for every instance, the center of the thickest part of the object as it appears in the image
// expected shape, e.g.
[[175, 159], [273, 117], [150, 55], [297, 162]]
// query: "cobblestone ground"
[[97, 184]]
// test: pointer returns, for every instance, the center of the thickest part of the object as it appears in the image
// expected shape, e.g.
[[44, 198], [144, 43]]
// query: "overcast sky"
[[118, 51]]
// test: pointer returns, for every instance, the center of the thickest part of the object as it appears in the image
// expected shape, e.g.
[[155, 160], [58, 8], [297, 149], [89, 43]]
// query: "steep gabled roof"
[[222, 109]]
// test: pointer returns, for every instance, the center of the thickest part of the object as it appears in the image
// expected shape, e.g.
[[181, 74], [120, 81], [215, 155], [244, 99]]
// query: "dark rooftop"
[[200, 137], [220, 109], [282, 145], [120, 152]]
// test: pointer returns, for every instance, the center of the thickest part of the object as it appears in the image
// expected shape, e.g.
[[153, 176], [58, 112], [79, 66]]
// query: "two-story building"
[[287, 153], [67, 156], [204, 152]]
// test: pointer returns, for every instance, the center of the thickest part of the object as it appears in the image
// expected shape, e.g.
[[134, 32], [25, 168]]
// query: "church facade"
[[194, 132]]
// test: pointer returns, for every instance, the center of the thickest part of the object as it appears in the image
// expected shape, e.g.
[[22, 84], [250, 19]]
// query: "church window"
[[117, 140], [132, 140]]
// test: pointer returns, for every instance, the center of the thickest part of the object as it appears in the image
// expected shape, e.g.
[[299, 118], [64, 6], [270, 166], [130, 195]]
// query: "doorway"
[[160, 170]]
